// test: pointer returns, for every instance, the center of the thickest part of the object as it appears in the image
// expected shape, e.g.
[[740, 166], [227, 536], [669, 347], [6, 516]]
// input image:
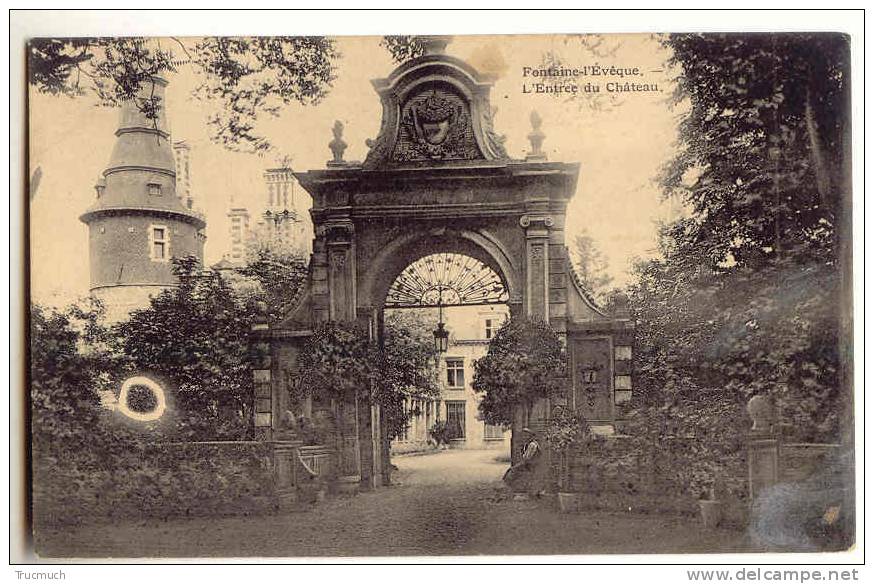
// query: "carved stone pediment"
[[436, 110]]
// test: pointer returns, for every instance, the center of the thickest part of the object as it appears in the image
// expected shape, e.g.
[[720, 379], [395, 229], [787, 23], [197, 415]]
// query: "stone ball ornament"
[[761, 411]]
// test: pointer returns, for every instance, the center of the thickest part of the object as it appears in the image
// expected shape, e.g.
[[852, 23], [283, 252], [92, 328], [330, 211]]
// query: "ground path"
[[450, 503]]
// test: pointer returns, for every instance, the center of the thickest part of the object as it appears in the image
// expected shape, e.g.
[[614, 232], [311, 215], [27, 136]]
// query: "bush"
[[441, 432], [526, 361]]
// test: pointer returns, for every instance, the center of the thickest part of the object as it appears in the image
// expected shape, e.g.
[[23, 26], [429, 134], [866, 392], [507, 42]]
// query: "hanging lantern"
[[441, 338]]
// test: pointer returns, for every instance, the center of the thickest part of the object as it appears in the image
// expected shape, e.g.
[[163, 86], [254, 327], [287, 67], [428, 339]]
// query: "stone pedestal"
[[762, 457]]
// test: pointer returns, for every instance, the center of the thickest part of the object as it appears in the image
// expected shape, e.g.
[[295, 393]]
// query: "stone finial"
[[620, 305], [435, 44], [285, 161], [536, 137], [337, 145], [761, 411]]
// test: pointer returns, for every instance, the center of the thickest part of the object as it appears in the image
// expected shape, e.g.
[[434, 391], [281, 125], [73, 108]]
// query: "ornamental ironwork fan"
[[446, 279]]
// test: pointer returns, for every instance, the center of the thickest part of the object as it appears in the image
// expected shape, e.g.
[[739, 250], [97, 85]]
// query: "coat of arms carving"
[[436, 126]]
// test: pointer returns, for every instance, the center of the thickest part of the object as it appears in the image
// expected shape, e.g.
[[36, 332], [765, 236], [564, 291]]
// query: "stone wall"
[[615, 473], [157, 480]]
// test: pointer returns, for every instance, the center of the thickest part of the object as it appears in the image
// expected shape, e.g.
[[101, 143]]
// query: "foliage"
[[339, 361], [526, 361], [441, 432], [566, 430], [567, 434], [196, 336], [255, 75], [403, 48], [762, 158], [69, 364], [746, 296], [280, 274], [591, 266], [244, 78], [408, 366], [138, 479]]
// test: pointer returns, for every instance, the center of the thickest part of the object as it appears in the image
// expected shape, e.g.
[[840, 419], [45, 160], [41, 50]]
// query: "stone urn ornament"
[[712, 509], [337, 145]]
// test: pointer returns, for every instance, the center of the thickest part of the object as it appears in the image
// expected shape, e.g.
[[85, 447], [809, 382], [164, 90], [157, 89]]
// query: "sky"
[[620, 144]]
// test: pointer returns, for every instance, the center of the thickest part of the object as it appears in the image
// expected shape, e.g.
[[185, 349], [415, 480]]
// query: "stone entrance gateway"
[[437, 179]]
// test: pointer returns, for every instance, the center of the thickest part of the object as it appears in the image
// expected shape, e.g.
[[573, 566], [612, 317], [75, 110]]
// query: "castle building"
[[283, 223], [138, 223], [285, 218], [240, 231], [471, 329]]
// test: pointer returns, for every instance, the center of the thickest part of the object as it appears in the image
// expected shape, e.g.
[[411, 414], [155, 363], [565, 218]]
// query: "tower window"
[[155, 189], [159, 243]]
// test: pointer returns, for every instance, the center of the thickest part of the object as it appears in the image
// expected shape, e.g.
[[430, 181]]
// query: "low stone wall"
[[411, 446], [157, 480], [798, 462], [612, 474]]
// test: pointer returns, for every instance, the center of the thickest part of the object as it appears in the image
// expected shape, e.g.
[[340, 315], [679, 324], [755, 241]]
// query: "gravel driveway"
[[449, 503]]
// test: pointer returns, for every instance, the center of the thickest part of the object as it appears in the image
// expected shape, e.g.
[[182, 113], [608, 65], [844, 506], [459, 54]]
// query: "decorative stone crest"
[[435, 109], [436, 126]]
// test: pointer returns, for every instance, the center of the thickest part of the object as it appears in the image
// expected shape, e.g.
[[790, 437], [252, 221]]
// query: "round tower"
[[138, 223]]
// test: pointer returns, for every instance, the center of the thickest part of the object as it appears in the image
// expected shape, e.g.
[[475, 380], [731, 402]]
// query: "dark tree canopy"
[[763, 155], [245, 78], [526, 361], [197, 337], [746, 297]]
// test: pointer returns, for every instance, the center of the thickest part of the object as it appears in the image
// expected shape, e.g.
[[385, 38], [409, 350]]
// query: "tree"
[[244, 77], [65, 377], [591, 266], [337, 362], [410, 370], [196, 336], [763, 154], [280, 274], [341, 362], [746, 297], [526, 361]]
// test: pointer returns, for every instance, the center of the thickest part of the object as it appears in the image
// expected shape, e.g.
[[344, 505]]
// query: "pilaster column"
[[536, 301], [340, 251], [763, 454], [262, 411]]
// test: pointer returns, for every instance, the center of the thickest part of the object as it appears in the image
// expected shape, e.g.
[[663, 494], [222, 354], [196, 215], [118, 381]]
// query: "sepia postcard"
[[440, 295]]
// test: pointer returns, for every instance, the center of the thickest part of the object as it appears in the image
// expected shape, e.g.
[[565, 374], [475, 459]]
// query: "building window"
[[155, 189], [455, 418], [159, 243], [493, 432], [455, 373], [490, 328]]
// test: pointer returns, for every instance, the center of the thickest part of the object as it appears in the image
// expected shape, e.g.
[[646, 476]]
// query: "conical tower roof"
[[141, 174]]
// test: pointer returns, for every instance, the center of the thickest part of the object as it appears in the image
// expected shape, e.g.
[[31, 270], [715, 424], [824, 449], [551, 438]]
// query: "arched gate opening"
[[437, 180]]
